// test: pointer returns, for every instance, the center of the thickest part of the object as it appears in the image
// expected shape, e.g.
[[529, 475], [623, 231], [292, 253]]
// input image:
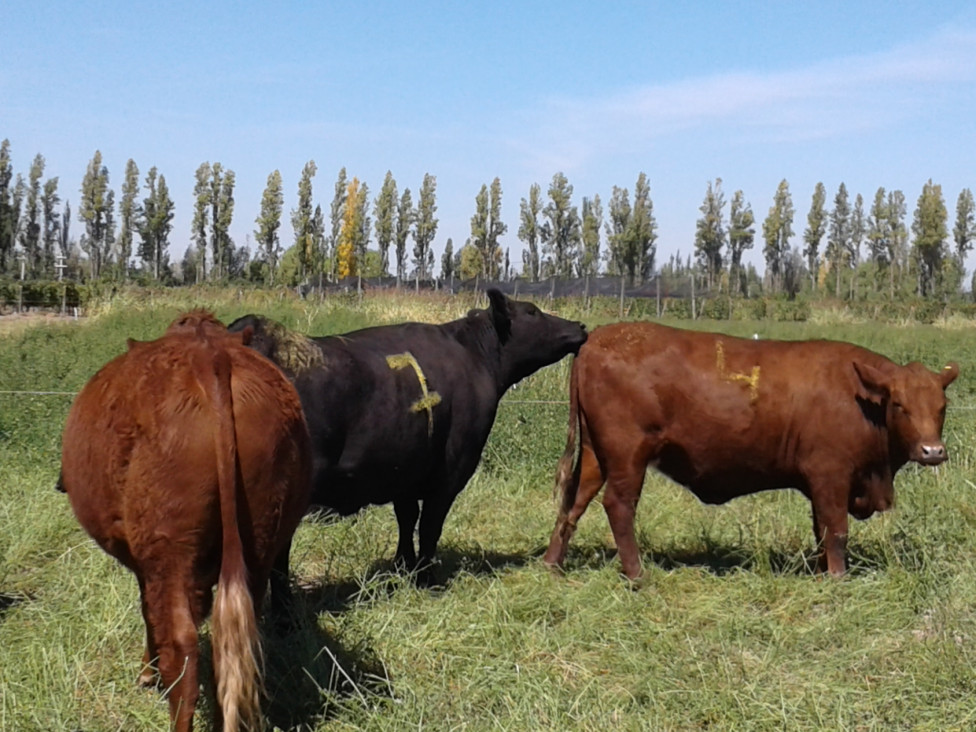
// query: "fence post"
[[20, 299], [693, 315]]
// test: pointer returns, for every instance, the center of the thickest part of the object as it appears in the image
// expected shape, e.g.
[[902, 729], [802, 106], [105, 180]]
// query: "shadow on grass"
[[9, 600], [720, 559], [308, 675]]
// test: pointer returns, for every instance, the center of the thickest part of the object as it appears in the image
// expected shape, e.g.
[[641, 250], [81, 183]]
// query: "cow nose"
[[933, 454]]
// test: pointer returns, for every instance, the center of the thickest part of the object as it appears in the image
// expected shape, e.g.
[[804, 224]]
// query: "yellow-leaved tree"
[[346, 250]]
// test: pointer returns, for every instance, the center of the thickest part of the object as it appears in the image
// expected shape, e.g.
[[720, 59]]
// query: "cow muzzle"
[[933, 453]]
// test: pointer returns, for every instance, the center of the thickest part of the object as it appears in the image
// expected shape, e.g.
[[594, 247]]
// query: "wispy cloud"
[[838, 97]]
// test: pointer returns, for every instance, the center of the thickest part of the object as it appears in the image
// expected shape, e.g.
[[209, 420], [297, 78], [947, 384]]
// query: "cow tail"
[[236, 643], [564, 470]]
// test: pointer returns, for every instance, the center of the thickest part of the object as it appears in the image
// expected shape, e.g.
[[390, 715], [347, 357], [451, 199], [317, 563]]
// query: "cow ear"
[[872, 384], [949, 373], [131, 343], [501, 314]]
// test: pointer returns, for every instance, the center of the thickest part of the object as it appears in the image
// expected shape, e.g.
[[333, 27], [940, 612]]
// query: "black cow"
[[401, 413]]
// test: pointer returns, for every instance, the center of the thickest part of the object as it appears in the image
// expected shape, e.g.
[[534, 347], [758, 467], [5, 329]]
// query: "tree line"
[[847, 250]]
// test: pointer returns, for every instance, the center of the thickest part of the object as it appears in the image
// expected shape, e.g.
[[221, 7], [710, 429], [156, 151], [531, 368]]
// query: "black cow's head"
[[915, 405], [530, 338]]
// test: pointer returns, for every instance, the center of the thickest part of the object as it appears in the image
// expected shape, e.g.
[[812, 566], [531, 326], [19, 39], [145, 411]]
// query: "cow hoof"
[[637, 582], [148, 678], [555, 568]]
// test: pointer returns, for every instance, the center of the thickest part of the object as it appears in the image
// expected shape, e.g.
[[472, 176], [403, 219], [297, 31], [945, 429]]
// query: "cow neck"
[[478, 335]]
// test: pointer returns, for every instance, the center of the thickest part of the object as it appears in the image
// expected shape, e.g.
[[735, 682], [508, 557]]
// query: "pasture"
[[729, 630]]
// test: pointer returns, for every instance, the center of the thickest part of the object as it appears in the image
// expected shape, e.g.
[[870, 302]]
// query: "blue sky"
[[866, 93]]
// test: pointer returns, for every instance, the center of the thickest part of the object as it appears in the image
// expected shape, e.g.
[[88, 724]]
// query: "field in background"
[[729, 631]]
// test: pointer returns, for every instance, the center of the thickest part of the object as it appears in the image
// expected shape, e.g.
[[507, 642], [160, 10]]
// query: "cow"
[[727, 417], [401, 413], [187, 458]]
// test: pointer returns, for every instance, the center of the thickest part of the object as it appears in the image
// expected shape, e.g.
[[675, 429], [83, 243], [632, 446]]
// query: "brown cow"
[[728, 416], [188, 460]]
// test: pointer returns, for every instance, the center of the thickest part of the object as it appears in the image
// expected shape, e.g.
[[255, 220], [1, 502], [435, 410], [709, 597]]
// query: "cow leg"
[[620, 502], [407, 511], [830, 530], [175, 634], [431, 526], [148, 675], [580, 489], [282, 601]]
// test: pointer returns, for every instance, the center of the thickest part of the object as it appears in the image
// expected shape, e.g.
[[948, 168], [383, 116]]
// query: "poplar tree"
[[51, 226], [839, 234], [221, 214], [854, 243], [479, 231], [496, 227], [155, 223], [302, 223], [621, 259], [592, 211], [447, 261], [642, 232], [351, 250], [268, 221], [742, 233], [404, 223], [813, 234], [63, 241], [8, 228], [17, 197], [898, 241], [878, 235], [564, 237], [364, 225], [336, 215], [30, 232], [529, 231], [930, 232], [385, 211], [964, 230], [710, 231], [425, 226], [777, 231], [128, 209], [95, 211], [202, 196]]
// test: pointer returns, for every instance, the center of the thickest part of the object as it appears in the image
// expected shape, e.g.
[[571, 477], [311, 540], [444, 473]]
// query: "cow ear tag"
[[949, 373]]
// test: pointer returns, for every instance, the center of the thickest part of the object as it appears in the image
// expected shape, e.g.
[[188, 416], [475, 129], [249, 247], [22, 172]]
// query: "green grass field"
[[730, 630]]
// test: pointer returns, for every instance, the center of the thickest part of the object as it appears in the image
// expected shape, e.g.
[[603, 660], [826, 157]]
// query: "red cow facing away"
[[187, 459], [728, 416]]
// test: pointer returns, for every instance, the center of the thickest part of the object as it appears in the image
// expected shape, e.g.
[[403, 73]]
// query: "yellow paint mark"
[[751, 379], [430, 399]]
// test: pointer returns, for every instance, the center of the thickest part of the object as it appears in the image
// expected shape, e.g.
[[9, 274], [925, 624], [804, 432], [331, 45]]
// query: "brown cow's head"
[[914, 403]]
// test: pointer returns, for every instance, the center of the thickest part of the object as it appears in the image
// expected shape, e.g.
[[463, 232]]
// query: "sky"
[[865, 93]]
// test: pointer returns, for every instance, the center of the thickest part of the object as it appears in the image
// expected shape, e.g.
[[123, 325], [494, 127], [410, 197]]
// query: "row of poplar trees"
[[843, 248], [849, 249]]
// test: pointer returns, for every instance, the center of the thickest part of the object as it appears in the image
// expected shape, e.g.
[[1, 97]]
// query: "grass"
[[730, 629]]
